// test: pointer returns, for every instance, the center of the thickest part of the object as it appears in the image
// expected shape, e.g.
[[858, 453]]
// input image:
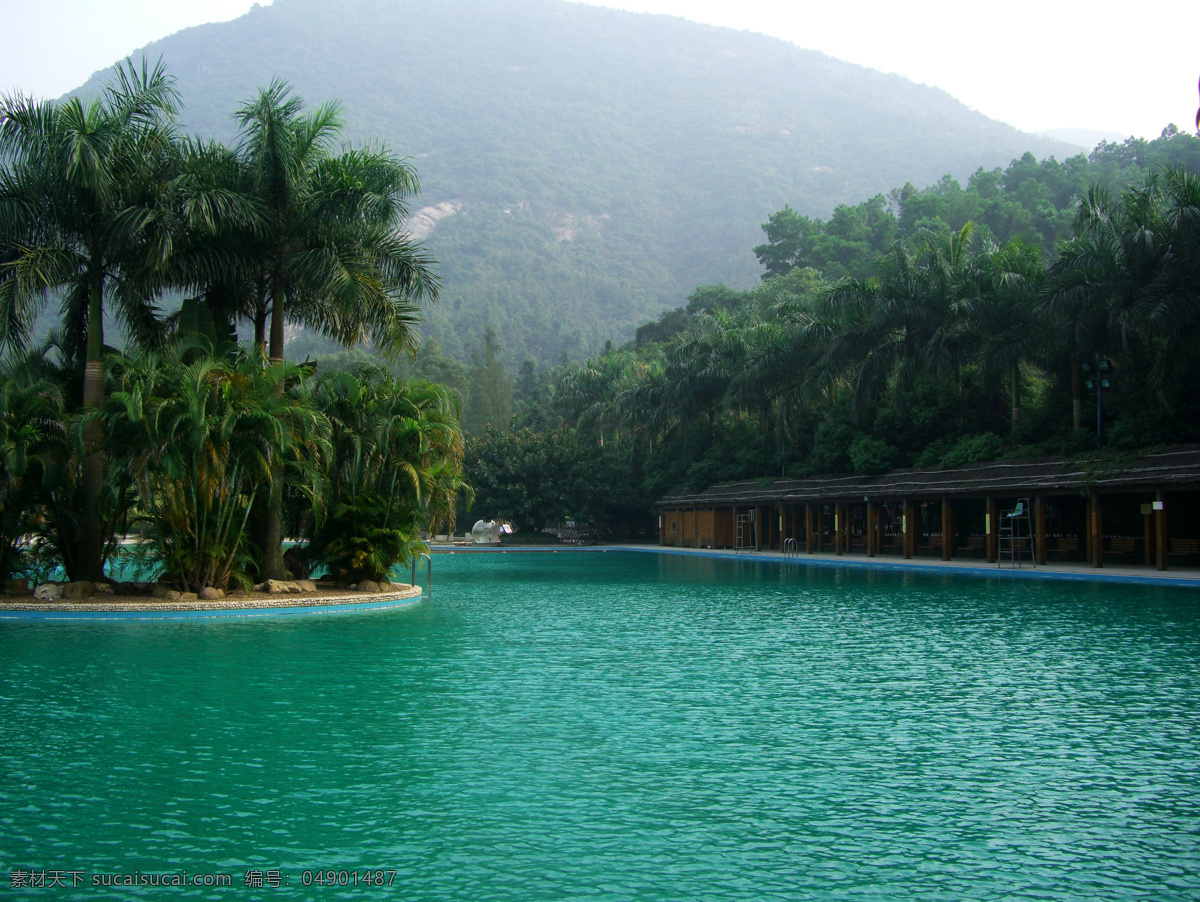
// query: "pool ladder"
[[790, 547], [429, 571]]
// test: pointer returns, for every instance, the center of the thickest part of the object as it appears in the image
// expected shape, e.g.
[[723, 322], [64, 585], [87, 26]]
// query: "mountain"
[[1083, 138], [584, 168]]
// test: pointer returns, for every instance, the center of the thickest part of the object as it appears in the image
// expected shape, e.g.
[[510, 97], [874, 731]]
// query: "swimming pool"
[[624, 726]]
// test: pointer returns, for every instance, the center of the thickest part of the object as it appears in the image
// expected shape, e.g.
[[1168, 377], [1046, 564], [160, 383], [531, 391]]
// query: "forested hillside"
[[584, 168], [937, 327]]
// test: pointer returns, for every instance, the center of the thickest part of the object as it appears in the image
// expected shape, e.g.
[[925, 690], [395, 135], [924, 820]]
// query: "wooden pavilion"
[[1142, 508]]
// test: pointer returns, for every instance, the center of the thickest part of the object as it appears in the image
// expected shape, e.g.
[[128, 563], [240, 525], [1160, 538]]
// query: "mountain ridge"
[[588, 166]]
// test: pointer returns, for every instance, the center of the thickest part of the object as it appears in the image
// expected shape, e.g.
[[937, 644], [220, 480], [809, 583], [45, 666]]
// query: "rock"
[[105, 589], [208, 593], [16, 586], [188, 596], [48, 592], [307, 585], [279, 587], [166, 593], [80, 589], [385, 586], [368, 586], [294, 562]]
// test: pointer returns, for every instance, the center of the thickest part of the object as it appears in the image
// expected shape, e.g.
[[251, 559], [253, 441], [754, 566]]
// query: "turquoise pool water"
[[623, 726]]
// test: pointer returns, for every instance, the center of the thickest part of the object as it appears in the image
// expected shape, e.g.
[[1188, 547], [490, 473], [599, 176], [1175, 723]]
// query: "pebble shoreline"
[[252, 601]]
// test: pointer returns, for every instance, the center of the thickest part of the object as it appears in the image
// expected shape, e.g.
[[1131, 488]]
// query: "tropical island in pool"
[[207, 453]]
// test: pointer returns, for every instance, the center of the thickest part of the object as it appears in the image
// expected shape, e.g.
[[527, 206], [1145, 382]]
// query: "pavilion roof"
[[1172, 467]]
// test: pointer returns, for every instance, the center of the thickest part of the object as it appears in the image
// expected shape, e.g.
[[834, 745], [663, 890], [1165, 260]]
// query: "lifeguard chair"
[[1016, 536]]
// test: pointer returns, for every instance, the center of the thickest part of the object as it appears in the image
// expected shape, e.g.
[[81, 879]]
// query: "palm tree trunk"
[[1076, 395], [260, 333], [277, 326], [1016, 397], [260, 317], [90, 563], [273, 566]]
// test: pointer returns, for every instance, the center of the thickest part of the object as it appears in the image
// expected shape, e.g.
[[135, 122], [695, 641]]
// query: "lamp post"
[[1100, 382]]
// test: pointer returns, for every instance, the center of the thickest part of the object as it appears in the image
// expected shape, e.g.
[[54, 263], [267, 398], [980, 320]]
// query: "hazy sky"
[[1128, 68]]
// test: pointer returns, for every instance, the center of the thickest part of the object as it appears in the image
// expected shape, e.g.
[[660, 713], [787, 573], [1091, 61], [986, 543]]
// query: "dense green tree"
[[329, 249], [395, 469], [538, 479], [33, 452], [951, 351], [200, 440], [1008, 329], [81, 214], [489, 402], [331, 252]]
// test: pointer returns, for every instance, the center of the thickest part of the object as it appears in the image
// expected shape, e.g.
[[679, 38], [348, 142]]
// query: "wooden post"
[[1160, 530], [991, 529], [871, 517], [1087, 529], [839, 520], [820, 527], [782, 531], [908, 526], [1097, 533], [809, 543], [1039, 529], [1148, 556], [947, 530]]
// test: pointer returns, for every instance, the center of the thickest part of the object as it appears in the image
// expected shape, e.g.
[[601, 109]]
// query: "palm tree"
[[1009, 329], [1098, 282], [331, 250], [198, 439], [1170, 305], [587, 395], [329, 245], [396, 467], [32, 450], [81, 213], [702, 364], [217, 227], [913, 318]]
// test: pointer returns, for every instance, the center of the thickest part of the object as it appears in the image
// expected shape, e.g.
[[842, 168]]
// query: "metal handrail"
[[429, 570], [790, 547]]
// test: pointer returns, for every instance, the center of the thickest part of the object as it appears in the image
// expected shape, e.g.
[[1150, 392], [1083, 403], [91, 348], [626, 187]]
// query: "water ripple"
[[618, 727]]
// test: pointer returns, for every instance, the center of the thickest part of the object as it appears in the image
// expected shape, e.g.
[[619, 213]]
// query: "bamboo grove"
[[207, 453]]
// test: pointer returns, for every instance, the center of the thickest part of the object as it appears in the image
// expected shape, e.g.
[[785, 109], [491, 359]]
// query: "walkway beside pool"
[[1189, 578], [1070, 571]]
